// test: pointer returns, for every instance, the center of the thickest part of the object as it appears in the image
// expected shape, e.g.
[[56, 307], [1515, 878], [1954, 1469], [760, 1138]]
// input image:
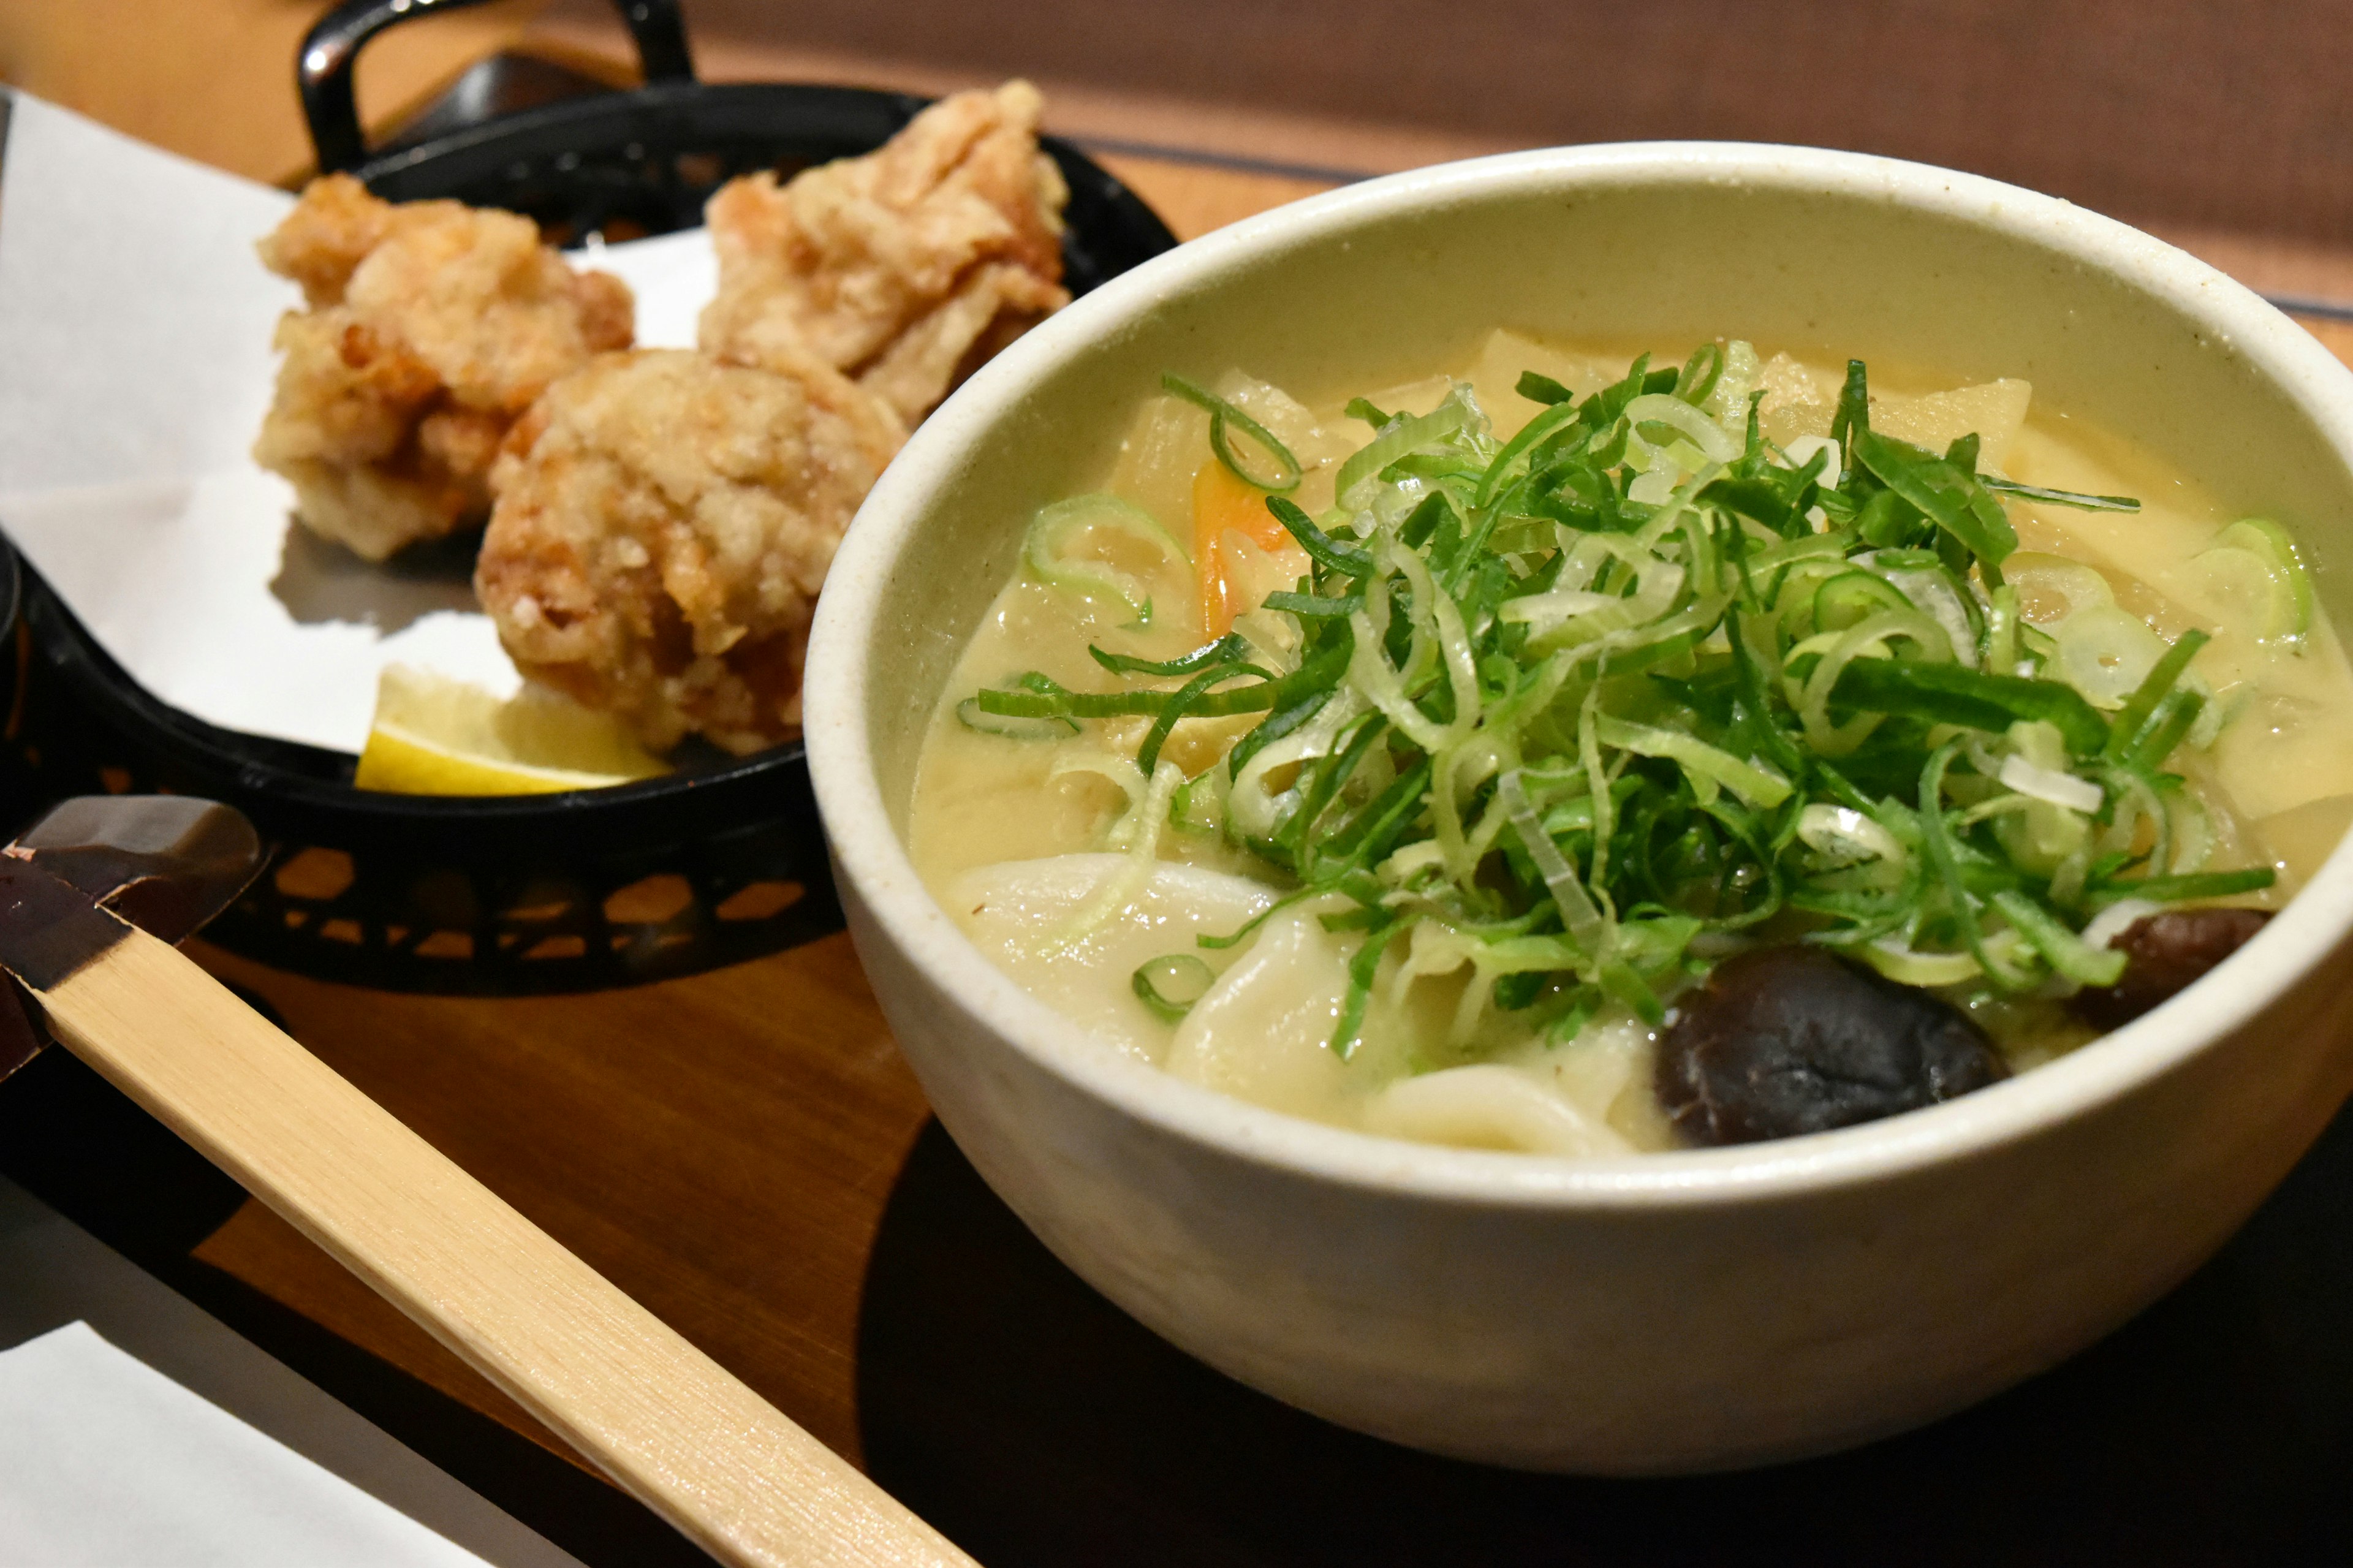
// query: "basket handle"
[[322, 70]]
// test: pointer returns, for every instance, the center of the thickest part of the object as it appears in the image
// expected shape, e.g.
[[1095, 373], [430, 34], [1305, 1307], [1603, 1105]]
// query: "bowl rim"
[[872, 862]]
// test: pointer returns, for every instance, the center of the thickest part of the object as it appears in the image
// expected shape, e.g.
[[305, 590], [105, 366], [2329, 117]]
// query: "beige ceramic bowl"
[[1667, 1313]]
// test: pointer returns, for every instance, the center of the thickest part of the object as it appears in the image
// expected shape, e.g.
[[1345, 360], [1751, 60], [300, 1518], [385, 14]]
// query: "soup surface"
[[1412, 762]]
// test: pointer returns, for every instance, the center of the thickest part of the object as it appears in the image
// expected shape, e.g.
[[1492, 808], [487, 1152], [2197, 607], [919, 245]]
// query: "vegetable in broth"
[[1484, 748]]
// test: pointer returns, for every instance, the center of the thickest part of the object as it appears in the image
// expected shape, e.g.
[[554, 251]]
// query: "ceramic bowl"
[[1666, 1313]]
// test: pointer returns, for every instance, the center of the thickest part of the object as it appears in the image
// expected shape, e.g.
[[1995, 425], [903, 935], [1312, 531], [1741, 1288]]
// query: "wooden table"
[[745, 1153]]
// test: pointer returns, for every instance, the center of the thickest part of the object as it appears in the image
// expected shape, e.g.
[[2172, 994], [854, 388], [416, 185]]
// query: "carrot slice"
[[1224, 503]]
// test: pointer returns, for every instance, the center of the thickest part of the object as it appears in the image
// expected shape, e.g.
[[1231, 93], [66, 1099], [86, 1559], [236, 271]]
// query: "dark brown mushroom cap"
[[1786, 1040], [2165, 953]]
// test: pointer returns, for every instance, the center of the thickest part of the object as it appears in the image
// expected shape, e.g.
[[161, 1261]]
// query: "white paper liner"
[[135, 368]]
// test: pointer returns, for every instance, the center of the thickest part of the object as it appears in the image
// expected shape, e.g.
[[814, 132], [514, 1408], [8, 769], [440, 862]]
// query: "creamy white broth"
[[1015, 835]]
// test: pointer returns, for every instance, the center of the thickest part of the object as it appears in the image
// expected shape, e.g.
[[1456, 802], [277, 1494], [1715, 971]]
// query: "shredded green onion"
[[1170, 985], [1011, 726], [1404, 433], [2076, 499], [1224, 419], [1947, 694], [1559, 706], [1052, 549]]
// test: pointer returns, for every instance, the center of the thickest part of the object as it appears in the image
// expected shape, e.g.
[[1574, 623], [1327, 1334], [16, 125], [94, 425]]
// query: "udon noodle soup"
[[1579, 753]]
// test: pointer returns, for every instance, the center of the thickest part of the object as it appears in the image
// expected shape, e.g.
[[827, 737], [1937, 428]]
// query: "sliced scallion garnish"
[[1283, 472], [1053, 549], [2076, 499], [1013, 727], [1170, 985], [1559, 705]]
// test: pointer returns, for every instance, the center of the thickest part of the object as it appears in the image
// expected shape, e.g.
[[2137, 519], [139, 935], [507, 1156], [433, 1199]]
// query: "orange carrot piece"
[[1223, 503]]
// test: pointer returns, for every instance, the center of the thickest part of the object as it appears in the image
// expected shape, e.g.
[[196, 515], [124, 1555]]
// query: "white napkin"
[[158, 1438], [134, 369], [106, 1462]]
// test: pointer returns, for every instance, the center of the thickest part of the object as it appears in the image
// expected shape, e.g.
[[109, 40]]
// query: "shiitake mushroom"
[[2164, 953], [1785, 1040]]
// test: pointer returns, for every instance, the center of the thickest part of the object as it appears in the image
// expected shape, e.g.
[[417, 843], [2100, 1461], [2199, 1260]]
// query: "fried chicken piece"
[[663, 524], [905, 268], [432, 327]]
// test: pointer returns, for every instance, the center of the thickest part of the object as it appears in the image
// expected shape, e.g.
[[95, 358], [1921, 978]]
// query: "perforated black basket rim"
[[831, 120], [677, 807]]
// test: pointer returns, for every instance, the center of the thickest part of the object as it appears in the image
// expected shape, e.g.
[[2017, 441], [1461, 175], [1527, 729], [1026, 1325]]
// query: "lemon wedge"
[[436, 735]]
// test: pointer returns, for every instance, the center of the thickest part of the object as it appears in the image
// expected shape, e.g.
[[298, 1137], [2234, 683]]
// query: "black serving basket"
[[528, 893]]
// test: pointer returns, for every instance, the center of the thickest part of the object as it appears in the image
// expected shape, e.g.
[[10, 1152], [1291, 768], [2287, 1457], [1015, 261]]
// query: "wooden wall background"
[[2195, 117], [2205, 114]]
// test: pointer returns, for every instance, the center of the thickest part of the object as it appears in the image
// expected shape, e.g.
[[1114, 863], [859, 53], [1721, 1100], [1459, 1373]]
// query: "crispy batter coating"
[[905, 268], [432, 327], [663, 524]]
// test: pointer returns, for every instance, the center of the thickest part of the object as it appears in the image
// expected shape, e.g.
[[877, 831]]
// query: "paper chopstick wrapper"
[[135, 368], [111, 1462]]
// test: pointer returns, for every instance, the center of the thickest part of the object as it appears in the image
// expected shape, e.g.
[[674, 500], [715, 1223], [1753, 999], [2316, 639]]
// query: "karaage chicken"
[[431, 326], [905, 268], [664, 523]]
